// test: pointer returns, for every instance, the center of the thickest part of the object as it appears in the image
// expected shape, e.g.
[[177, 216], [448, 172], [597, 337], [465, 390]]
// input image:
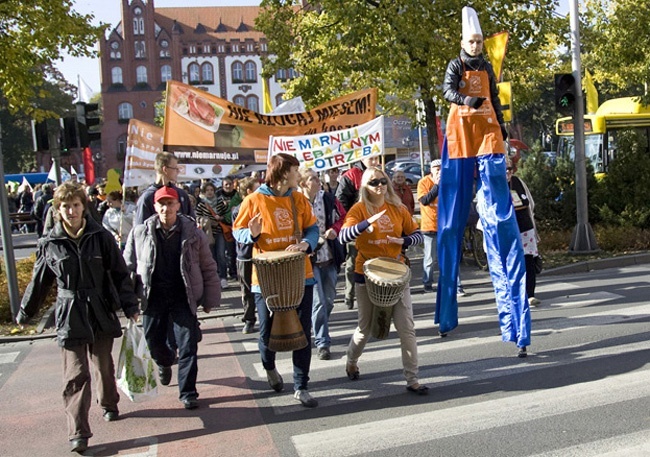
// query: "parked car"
[[412, 171]]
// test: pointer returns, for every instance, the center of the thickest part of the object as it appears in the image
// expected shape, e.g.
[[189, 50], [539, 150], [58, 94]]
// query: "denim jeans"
[[155, 322], [225, 256], [302, 357], [430, 262], [323, 303]]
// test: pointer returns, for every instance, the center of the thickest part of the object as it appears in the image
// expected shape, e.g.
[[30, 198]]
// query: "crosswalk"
[[576, 328]]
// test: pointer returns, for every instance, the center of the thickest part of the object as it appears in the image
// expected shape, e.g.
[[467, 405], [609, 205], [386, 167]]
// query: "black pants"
[[531, 276], [245, 272]]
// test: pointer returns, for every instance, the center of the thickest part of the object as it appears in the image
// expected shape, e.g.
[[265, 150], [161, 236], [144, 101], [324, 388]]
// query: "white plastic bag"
[[137, 375]]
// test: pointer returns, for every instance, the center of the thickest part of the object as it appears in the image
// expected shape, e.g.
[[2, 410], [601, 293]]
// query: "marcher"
[[206, 210], [118, 219], [327, 259], [347, 193], [244, 261], [427, 195], [227, 198], [475, 134], [266, 219], [92, 283], [393, 227], [524, 205], [175, 273], [403, 191], [331, 180], [38, 211]]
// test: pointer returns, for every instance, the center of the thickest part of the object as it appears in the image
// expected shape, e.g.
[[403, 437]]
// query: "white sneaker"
[[460, 292], [224, 283], [534, 301], [305, 398]]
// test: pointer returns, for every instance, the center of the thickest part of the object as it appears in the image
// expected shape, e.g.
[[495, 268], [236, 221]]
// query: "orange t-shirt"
[[429, 213], [396, 221], [278, 230]]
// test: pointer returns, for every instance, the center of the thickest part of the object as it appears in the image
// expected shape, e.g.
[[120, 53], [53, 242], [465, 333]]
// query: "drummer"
[[267, 220], [380, 207]]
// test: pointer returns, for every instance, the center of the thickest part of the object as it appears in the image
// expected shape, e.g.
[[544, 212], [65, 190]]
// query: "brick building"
[[214, 48]]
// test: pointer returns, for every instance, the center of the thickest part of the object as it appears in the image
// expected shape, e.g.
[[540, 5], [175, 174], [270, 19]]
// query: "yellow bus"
[[618, 123]]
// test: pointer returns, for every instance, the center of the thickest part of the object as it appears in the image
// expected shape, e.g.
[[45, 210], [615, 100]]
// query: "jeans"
[[302, 357], [225, 256], [323, 303], [430, 262], [155, 322], [77, 396], [244, 272]]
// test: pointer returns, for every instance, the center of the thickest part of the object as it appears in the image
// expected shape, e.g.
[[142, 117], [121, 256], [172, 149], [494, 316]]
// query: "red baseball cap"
[[165, 192]]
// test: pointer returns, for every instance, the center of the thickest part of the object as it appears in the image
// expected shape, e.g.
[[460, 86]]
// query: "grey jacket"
[[198, 268]]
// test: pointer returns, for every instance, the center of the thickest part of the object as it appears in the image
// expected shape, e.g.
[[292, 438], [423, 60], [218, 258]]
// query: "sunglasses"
[[377, 182]]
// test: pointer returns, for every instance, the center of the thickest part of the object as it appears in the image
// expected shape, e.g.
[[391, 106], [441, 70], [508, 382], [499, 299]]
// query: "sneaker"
[[522, 352], [79, 445], [190, 403], [249, 327], [534, 301], [305, 398], [165, 374], [324, 353], [275, 380], [110, 416], [428, 289], [460, 292], [224, 283]]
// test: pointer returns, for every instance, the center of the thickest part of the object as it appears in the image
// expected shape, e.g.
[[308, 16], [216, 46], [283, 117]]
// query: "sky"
[[108, 11]]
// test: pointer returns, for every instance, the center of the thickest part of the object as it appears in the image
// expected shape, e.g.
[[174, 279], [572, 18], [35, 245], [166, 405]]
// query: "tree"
[[400, 47], [33, 36]]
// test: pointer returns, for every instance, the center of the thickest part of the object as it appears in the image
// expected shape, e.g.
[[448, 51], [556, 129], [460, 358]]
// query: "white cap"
[[471, 25]]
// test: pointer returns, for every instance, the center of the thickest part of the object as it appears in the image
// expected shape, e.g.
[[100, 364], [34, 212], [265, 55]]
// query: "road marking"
[[444, 423], [9, 357], [633, 444]]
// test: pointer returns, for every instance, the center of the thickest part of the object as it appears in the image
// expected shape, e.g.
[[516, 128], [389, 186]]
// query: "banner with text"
[[203, 129], [322, 151]]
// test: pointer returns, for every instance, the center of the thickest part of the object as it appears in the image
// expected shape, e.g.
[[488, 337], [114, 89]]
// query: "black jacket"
[[454, 74], [92, 283], [336, 248], [145, 208]]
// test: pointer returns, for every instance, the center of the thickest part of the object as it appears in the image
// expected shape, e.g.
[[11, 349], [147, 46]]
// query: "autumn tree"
[[402, 48]]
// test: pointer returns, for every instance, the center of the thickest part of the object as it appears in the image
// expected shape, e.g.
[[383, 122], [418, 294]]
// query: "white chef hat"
[[471, 26]]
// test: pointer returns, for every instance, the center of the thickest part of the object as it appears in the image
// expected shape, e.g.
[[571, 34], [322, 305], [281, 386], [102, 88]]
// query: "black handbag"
[[538, 261]]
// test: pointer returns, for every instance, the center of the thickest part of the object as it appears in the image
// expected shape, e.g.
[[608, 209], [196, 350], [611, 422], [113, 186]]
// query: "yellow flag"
[[267, 107], [495, 46], [592, 93]]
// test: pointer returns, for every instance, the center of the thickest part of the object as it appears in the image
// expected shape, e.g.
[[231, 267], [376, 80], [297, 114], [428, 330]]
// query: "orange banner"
[[202, 128]]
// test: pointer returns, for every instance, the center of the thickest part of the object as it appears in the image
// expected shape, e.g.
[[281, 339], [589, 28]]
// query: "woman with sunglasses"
[[381, 226]]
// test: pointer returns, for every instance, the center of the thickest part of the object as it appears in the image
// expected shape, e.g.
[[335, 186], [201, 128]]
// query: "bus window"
[[593, 151]]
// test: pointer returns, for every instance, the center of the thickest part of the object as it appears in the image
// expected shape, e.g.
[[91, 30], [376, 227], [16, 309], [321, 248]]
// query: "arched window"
[[237, 72], [194, 71], [165, 73], [281, 75], [292, 73], [140, 50], [116, 75], [251, 72], [141, 74], [125, 111], [252, 103], [207, 76], [138, 22], [240, 100]]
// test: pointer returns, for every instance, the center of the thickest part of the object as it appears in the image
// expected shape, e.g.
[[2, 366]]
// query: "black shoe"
[[165, 374], [419, 390], [522, 353], [79, 445], [110, 416], [324, 353], [442, 334], [352, 371], [190, 403], [428, 289], [349, 304], [249, 327]]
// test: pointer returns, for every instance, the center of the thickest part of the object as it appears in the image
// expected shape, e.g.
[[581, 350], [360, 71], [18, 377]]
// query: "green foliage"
[[34, 36]]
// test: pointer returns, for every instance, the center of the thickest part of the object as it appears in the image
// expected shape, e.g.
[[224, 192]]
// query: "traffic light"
[[39, 135], [87, 118], [68, 137], [565, 93]]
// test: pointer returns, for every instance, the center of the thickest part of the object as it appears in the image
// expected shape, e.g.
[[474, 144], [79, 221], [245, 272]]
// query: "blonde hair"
[[305, 174], [390, 198]]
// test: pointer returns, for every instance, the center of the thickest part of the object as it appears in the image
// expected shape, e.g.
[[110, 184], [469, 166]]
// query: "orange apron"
[[472, 132]]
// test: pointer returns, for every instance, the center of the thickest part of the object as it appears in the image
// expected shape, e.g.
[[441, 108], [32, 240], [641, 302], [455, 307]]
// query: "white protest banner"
[[322, 151]]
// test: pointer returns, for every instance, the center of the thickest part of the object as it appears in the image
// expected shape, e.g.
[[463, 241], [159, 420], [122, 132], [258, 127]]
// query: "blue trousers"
[[302, 357], [323, 303], [501, 233]]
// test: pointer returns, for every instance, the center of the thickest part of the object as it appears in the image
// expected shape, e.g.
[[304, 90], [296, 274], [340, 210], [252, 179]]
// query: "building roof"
[[219, 22]]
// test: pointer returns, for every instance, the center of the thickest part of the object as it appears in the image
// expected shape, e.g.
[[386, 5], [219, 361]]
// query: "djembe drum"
[[386, 279], [281, 275]]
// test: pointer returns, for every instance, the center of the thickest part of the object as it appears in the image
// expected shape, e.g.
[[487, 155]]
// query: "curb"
[[599, 264]]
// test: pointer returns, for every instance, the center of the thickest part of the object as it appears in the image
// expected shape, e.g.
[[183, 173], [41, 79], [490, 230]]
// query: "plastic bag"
[[137, 375]]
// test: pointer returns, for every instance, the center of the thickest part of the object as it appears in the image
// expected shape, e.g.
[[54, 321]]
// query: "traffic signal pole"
[[583, 240]]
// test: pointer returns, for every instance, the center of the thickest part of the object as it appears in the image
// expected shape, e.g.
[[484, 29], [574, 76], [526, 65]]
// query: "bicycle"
[[473, 247]]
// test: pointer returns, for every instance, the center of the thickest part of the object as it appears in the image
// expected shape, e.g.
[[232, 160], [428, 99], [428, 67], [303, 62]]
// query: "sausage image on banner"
[[198, 110]]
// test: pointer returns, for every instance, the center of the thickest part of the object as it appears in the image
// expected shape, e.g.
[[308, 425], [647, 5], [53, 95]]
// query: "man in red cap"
[[175, 274]]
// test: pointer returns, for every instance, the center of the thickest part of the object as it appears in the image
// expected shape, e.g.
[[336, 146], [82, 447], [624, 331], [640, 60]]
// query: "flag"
[[592, 93], [291, 106], [25, 184], [267, 106], [65, 176], [73, 171], [496, 46], [89, 165], [84, 92]]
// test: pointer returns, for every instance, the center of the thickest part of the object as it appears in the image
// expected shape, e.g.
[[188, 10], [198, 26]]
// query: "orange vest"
[[429, 213], [472, 132]]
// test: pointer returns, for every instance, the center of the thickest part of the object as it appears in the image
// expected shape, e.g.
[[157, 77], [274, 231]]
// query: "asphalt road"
[[583, 390]]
